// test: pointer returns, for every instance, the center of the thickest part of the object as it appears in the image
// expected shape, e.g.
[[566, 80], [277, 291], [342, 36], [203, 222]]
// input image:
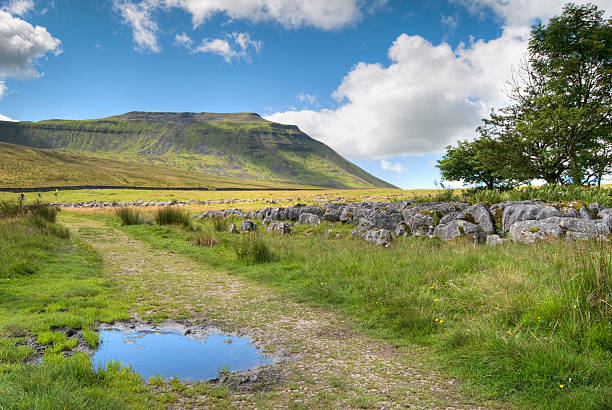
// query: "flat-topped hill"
[[235, 145]]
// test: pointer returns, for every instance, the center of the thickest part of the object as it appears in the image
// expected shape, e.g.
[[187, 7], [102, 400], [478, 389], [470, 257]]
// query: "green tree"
[[475, 163], [558, 125]]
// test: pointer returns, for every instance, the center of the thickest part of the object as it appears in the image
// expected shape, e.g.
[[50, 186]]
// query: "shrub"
[[220, 224], [252, 248], [169, 215], [128, 216], [43, 211]]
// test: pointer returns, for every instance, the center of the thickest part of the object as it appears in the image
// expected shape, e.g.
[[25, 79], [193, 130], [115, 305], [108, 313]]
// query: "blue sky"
[[387, 84]]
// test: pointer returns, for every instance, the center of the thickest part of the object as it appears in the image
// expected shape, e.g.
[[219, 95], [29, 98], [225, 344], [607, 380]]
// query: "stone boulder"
[[233, 229], [525, 212], [494, 240], [480, 215], [457, 228], [531, 231], [309, 219], [378, 236], [248, 225], [283, 228], [576, 228]]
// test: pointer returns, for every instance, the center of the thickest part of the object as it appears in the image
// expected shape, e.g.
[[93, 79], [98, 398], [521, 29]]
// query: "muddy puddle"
[[175, 352]]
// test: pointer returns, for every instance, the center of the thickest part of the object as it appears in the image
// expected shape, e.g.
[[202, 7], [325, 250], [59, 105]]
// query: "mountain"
[[239, 147]]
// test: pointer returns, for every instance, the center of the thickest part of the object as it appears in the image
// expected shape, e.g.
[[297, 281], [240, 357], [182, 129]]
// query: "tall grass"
[[219, 224], [128, 216], [516, 320], [252, 248], [170, 215]]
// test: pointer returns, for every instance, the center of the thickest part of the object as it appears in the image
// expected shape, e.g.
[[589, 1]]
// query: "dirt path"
[[329, 364]]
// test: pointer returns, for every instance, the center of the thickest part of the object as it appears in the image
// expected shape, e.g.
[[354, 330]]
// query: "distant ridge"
[[238, 147]]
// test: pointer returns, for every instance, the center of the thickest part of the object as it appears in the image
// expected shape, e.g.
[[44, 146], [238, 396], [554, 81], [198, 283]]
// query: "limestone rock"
[[248, 225], [525, 212], [531, 231], [309, 219], [457, 228]]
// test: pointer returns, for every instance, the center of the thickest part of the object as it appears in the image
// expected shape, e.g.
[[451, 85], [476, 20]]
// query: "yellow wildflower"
[[441, 321], [561, 386], [436, 299], [437, 319]]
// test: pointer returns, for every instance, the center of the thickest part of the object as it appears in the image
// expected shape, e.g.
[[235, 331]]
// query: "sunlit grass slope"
[[34, 167], [232, 145]]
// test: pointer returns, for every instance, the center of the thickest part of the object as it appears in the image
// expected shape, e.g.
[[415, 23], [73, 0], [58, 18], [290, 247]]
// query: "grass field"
[[25, 167], [527, 326]]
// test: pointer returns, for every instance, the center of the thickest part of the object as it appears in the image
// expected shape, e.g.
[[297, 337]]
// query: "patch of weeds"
[[11, 352], [129, 216], [92, 338], [252, 248], [203, 238], [219, 224], [172, 215]]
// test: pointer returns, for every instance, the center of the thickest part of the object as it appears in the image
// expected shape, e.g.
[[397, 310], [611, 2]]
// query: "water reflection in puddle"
[[171, 354]]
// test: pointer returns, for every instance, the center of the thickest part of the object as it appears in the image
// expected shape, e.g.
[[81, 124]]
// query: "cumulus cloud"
[[517, 13], [21, 44], [18, 7], [234, 46], [386, 165], [323, 14], [139, 17], [428, 97]]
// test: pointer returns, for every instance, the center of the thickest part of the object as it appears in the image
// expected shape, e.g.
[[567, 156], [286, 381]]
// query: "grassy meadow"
[[50, 282], [530, 324], [521, 325]]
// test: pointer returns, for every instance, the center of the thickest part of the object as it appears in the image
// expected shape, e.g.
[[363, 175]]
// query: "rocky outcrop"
[[283, 228], [377, 222]]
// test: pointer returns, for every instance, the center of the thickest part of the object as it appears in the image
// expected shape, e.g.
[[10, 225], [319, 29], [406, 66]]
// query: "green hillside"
[[239, 145], [36, 167]]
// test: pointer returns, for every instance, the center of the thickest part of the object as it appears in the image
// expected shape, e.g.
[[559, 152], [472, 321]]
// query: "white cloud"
[[449, 22], [430, 96], [5, 118], [139, 17], [21, 44], [183, 40], [19, 7], [386, 165], [222, 47], [307, 98], [518, 13], [323, 14]]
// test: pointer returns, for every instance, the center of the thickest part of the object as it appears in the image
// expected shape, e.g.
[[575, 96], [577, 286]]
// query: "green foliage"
[[559, 125], [92, 338], [219, 224], [128, 216], [555, 193], [172, 215], [252, 248], [71, 383], [468, 162]]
